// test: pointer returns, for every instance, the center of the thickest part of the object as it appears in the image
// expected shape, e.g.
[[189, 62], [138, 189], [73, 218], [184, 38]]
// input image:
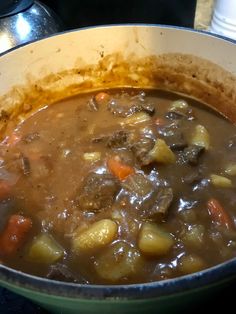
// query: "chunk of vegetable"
[[92, 157], [98, 235], [154, 241], [179, 105], [220, 181], [118, 261], [194, 236], [14, 234], [45, 249], [135, 118], [119, 169], [231, 170], [191, 264], [102, 98], [162, 153], [218, 214], [200, 137]]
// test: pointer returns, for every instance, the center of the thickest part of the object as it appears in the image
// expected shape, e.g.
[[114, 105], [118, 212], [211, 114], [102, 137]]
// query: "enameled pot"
[[125, 55]]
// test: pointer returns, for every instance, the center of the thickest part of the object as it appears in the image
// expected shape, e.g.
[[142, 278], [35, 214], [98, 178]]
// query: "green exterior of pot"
[[163, 305]]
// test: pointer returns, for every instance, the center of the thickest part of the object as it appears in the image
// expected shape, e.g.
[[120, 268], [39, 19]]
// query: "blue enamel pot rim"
[[208, 277]]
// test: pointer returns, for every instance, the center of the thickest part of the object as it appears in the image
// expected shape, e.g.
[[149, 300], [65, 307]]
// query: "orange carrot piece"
[[218, 214], [119, 169], [5, 189], [102, 98], [14, 234]]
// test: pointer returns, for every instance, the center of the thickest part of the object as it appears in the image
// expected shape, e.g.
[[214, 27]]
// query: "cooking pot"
[[181, 60]]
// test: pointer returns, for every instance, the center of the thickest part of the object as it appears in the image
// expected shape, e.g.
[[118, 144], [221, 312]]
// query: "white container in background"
[[224, 18]]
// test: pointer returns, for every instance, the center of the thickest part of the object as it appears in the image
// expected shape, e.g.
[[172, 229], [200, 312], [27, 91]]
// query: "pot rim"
[[198, 31], [15, 279]]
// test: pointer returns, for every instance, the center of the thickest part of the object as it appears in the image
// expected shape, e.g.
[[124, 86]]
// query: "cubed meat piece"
[[175, 115], [138, 184], [118, 139], [176, 141], [141, 149], [192, 153], [162, 200], [98, 192]]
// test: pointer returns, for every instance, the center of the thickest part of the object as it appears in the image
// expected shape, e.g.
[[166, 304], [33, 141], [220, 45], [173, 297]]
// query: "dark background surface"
[[78, 13]]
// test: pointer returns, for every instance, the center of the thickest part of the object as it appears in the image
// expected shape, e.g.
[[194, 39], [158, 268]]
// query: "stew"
[[119, 186]]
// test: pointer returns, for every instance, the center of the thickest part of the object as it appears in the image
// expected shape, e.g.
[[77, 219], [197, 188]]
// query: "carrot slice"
[[14, 234], [218, 213], [102, 98], [119, 169]]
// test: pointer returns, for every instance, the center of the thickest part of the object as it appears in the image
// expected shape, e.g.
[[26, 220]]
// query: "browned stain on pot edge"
[[180, 73]]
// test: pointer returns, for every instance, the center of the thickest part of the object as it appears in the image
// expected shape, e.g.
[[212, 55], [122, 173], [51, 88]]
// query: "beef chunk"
[[121, 107], [148, 108], [176, 140], [180, 115], [118, 139], [97, 192], [62, 273], [141, 149], [162, 199], [192, 153], [138, 184], [175, 115]]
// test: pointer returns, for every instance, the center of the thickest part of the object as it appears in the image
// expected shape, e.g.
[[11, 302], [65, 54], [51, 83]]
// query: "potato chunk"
[[179, 105], [154, 241], [98, 235], [118, 261], [162, 153], [191, 264], [201, 137], [220, 181], [45, 249], [136, 118], [231, 170], [92, 157]]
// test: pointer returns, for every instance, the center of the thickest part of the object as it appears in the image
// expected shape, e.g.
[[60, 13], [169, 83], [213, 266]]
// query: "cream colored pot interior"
[[188, 62]]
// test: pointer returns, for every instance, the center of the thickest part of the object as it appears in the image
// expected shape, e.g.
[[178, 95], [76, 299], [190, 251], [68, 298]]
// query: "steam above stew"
[[117, 187]]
